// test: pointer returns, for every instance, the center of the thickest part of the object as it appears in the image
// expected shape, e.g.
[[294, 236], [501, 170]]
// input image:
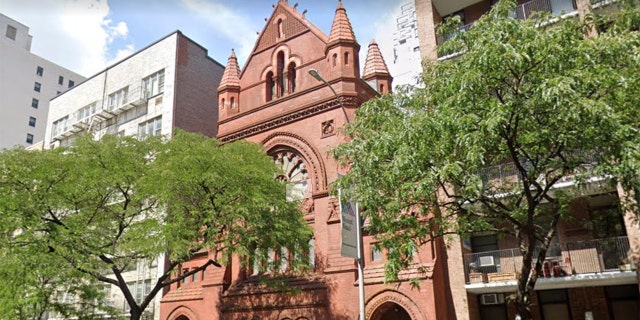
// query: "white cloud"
[[224, 20], [72, 33]]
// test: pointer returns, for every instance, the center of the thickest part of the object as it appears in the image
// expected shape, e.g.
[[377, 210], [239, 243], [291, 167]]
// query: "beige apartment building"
[[27, 83], [169, 84]]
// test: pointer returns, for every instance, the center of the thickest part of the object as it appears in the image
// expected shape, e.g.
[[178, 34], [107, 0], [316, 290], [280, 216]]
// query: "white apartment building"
[[406, 65], [169, 84], [27, 83]]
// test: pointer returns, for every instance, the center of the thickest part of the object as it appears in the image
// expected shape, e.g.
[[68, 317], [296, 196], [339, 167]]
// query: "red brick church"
[[274, 101]]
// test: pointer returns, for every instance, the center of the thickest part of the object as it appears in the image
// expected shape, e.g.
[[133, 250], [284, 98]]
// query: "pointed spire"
[[231, 75], [341, 28], [374, 64]]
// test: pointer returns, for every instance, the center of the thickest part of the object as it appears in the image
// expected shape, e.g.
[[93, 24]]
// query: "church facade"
[[274, 100]]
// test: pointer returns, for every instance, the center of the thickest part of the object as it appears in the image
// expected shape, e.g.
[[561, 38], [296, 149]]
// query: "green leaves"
[[99, 207], [482, 145]]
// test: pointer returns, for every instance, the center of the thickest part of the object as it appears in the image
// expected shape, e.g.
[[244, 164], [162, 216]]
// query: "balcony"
[[522, 11], [571, 264]]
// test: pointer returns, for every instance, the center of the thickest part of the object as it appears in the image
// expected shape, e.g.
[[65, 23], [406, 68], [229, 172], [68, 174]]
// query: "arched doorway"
[[390, 311]]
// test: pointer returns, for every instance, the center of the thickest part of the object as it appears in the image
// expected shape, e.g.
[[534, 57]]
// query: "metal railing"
[[563, 259], [522, 12]]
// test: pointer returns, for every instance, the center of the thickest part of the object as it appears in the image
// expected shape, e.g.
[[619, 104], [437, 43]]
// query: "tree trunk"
[[135, 314]]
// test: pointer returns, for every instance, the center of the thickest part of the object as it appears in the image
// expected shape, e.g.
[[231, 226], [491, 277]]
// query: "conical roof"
[[231, 75], [374, 64], [341, 30]]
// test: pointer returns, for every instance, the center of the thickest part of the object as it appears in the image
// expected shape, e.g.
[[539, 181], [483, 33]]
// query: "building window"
[[346, 58], [280, 30], [71, 83], [86, 112], [270, 86], [554, 304], [152, 127], [29, 138], [59, 126], [623, 301], [334, 59], [34, 103], [184, 273], [39, 71], [153, 84], [194, 277], [118, 98], [140, 289], [280, 74], [32, 121], [294, 173], [291, 78], [37, 86], [376, 254], [11, 32], [60, 80], [222, 103], [232, 103]]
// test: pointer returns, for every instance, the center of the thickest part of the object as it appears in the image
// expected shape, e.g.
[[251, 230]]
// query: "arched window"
[[280, 74], [270, 86], [294, 174], [232, 103], [222, 103], [381, 88], [291, 78], [335, 59], [346, 58], [280, 30]]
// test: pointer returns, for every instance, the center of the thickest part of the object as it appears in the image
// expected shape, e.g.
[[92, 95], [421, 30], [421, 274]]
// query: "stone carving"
[[327, 128]]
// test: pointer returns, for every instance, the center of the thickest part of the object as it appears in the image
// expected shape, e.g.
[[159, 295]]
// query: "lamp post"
[[360, 258], [314, 73]]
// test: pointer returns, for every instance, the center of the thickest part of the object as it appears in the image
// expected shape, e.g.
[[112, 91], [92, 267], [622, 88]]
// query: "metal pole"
[[360, 262], [360, 259], [314, 73]]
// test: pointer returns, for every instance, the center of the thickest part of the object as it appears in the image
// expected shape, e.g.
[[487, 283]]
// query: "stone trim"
[[286, 140], [348, 101], [396, 297], [182, 311]]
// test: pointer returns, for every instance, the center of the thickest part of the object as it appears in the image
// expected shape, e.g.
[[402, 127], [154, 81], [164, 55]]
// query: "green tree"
[[100, 207], [536, 95]]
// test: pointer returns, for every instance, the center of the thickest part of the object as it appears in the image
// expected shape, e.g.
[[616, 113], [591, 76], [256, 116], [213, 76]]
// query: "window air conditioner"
[[492, 298], [486, 261]]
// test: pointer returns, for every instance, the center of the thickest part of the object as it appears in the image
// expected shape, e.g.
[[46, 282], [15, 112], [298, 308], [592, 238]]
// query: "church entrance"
[[390, 311]]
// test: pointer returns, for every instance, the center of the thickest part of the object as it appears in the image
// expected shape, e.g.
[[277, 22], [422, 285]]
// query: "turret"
[[229, 89], [342, 48], [375, 72]]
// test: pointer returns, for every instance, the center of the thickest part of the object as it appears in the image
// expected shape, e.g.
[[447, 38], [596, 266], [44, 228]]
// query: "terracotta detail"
[[315, 167], [396, 297], [288, 118]]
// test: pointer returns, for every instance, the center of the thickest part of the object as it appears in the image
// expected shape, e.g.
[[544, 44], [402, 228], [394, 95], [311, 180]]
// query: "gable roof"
[[293, 24]]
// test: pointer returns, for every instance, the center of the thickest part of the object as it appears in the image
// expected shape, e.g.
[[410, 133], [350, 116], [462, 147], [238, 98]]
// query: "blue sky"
[[87, 35]]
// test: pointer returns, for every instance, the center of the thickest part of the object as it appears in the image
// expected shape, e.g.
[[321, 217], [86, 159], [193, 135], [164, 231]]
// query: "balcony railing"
[[521, 12], [563, 259]]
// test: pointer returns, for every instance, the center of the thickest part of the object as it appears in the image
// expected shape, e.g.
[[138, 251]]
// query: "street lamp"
[[314, 73], [360, 255]]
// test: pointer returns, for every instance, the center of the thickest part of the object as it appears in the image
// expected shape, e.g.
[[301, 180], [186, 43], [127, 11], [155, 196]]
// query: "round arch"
[[182, 313], [282, 141], [390, 304]]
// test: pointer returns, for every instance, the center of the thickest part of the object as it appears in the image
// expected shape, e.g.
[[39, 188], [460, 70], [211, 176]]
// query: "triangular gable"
[[293, 24]]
